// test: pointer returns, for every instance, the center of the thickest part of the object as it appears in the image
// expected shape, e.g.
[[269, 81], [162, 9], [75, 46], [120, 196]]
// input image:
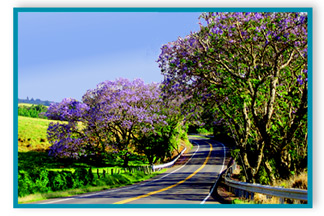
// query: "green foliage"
[[155, 147], [263, 177], [25, 184], [204, 131], [33, 111], [110, 181], [40, 180], [69, 179], [235, 154], [159, 145], [83, 176], [57, 181], [183, 133], [249, 74]]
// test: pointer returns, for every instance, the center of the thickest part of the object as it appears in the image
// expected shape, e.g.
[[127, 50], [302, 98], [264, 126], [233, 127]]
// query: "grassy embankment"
[[32, 134]]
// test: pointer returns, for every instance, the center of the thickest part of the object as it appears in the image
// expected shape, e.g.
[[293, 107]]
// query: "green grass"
[[32, 134], [204, 131], [28, 104], [110, 181], [25, 104], [239, 201]]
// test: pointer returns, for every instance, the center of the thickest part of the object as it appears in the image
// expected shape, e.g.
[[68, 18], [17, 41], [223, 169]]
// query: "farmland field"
[[32, 134], [25, 104]]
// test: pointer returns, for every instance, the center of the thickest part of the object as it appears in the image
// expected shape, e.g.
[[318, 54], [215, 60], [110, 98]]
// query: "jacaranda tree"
[[159, 143], [250, 70], [67, 138], [111, 116], [120, 111]]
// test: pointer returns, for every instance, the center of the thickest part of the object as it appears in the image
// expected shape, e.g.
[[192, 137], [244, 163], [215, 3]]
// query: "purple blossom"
[[300, 80], [234, 39], [129, 106]]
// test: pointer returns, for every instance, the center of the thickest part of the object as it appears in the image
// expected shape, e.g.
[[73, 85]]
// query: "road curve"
[[187, 183]]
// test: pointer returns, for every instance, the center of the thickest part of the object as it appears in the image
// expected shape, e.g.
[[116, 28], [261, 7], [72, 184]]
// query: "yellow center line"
[[172, 186]]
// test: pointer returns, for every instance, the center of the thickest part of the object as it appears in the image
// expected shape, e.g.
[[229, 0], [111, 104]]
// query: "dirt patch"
[[225, 196]]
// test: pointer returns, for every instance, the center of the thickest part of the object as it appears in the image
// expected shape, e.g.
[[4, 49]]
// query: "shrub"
[[41, 181], [203, 131], [90, 176], [83, 176], [69, 180], [34, 111], [25, 183], [57, 181]]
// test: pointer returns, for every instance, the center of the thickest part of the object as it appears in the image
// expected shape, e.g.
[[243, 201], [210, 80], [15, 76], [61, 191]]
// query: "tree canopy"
[[114, 116], [250, 70]]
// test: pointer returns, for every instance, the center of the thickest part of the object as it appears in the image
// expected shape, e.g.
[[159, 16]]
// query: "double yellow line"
[[172, 186]]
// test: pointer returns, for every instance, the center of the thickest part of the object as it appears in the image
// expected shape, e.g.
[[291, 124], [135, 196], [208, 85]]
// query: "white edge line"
[[211, 191], [103, 192], [166, 165], [57, 201]]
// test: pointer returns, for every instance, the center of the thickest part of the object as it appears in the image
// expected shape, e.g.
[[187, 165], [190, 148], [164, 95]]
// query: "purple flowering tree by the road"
[[67, 138], [110, 117], [160, 143], [120, 111], [250, 70]]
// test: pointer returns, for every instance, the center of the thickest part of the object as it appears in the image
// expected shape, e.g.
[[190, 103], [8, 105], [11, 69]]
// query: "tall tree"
[[122, 109], [251, 69]]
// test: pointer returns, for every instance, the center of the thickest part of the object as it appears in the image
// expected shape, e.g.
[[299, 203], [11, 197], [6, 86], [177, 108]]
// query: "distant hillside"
[[35, 101]]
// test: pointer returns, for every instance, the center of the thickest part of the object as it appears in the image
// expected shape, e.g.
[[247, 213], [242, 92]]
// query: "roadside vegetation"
[[246, 74], [297, 181], [44, 184], [43, 175]]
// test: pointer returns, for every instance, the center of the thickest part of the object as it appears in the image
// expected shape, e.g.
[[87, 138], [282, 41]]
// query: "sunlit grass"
[[241, 201], [32, 134], [25, 104]]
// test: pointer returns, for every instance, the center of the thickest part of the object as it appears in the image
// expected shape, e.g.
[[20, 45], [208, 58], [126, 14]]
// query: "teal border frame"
[[18, 10]]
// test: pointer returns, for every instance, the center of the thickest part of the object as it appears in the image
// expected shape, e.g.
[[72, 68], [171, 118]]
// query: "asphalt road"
[[187, 183]]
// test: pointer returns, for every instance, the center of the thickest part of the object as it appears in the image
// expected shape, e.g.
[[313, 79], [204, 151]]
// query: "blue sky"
[[64, 54]]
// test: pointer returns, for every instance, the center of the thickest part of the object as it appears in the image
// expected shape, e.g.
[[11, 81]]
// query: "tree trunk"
[[126, 158], [269, 171], [247, 168], [259, 161]]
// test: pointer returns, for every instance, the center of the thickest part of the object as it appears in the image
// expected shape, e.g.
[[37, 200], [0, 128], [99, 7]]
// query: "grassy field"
[[33, 143], [28, 104], [25, 104], [32, 134]]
